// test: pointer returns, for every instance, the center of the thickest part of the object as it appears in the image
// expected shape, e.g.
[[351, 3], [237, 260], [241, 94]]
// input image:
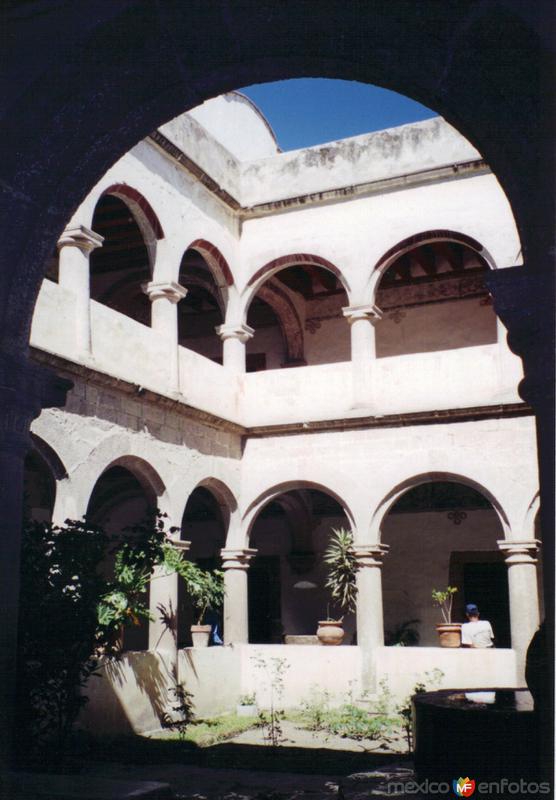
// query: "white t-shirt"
[[478, 633]]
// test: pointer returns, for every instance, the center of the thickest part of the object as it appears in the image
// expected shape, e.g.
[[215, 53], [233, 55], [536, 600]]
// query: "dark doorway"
[[487, 585], [265, 626], [482, 578]]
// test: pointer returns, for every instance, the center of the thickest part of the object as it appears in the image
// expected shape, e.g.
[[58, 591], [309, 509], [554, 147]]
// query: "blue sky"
[[309, 111]]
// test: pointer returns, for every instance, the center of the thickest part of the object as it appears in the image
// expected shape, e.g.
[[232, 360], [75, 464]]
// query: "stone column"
[[164, 297], [524, 594], [74, 248], [235, 563], [163, 629], [362, 321], [370, 620], [25, 389], [234, 338]]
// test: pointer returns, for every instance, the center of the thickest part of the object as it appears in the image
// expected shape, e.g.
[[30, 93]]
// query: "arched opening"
[[442, 533], [297, 318], [39, 488], [120, 500], [204, 524], [121, 267], [286, 578], [203, 308], [433, 297]]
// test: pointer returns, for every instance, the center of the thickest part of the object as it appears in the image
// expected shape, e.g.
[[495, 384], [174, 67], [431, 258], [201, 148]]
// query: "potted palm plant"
[[449, 633], [206, 591], [340, 582]]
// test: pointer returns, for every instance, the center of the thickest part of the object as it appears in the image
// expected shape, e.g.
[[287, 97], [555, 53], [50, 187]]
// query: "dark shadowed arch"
[[138, 204], [216, 261]]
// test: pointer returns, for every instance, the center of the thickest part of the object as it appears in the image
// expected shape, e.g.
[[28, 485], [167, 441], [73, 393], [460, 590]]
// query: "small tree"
[[342, 570], [70, 613], [444, 600], [125, 602], [60, 589]]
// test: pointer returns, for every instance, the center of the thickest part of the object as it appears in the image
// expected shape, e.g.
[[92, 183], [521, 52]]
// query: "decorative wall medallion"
[[312, 325], [397, 316]]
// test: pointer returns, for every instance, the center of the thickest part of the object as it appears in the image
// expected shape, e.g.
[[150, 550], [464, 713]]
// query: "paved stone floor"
[[201, 783]]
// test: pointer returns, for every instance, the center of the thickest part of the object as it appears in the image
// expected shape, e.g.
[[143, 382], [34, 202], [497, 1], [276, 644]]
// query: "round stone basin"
[[477, 733]]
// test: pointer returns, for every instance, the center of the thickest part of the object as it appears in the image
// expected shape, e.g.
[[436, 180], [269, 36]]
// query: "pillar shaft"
[[370, 618], [236, 609], [234, 340], [524, 595], [164, 299], [74, 247], [362, 321]]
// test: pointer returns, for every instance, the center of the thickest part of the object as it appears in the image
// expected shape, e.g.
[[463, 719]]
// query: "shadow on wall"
[[131, 695]]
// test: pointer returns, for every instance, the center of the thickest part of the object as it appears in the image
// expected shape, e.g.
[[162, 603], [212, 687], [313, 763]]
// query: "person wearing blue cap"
[[476, 632]]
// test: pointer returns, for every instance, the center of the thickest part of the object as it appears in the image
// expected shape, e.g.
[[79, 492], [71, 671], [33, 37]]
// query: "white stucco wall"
[[356, 160], [236, 122]]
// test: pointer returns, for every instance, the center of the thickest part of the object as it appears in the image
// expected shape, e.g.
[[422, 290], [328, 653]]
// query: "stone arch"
[[530, 516], [409, 243], [143, 213], [146, 475], [431, 477], [217, 263], [223, 496], [50, 456], [283, 262], [270, 494]]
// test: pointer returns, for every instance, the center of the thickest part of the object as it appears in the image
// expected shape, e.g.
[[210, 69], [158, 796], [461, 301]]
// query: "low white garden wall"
[[132, 695]]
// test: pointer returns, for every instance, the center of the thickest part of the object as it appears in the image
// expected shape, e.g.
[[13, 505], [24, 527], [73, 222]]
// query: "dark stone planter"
[[457, 738]]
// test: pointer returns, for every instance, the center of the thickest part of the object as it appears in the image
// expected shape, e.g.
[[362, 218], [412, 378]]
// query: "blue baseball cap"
[[471, 608]]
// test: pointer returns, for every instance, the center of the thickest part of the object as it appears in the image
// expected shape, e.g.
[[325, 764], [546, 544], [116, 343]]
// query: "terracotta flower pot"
[[330, 632], [449, 634], [200, 635]]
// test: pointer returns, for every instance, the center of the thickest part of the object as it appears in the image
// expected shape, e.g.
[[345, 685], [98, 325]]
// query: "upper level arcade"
[[267, 288]]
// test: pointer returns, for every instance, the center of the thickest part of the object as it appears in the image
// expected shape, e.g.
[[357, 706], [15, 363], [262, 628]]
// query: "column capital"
[[171, 290], [370, 555], [371, 313], [521, 551], [81, 237], [237, 557], [232, 331]]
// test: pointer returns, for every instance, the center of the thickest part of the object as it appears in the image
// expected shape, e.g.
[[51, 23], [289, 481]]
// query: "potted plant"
[[247, 706], [342, 570], [206, 591], [449, 633]]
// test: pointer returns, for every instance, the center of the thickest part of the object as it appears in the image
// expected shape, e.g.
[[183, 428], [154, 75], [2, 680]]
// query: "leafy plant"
[[274, 671], [61, 586], [352, 722], [339, 556], [70, 613], [125, 604], [184, 708], [405, 710], [247, 700], [444, 599], [314, 710], [204, 587]]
